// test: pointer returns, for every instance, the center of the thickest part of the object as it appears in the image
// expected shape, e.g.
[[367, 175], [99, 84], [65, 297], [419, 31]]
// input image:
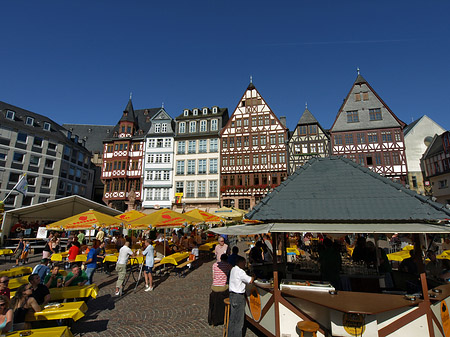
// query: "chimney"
[[283, 120]]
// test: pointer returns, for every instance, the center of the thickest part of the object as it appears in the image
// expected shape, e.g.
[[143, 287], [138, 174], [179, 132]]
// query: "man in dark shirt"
[[40, 292]]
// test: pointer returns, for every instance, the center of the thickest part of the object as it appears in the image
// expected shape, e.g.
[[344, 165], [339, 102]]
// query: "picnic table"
[[16, 271], [59, 256], [6, 252], [62, 293], [208, 246], [15, 283], [111, 251], [399, 256], [60, 331], [133, 260], [68, 310], [175, 258]]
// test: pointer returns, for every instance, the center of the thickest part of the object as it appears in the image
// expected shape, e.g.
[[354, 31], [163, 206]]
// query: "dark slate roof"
[[410, 126], [437, 146], [336, 189], [307, 118], [220, 112], [128, 113], [251, 86], [360, 79], [93, 135]]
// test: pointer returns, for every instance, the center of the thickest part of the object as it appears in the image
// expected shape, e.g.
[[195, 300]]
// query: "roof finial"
[[131, 94], [251, 79], [357, 69], [306, 105], [162, 105]]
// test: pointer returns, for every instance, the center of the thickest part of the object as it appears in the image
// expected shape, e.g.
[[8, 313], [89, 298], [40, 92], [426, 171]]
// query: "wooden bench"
[[182, 268]]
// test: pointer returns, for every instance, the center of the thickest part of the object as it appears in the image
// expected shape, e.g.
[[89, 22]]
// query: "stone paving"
[[178, 306]]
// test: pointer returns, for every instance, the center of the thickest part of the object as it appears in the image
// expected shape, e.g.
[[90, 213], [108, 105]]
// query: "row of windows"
[[121, 165], [188, 189], [257, 140], [304, 130], [363, 138], [26, 201], [196, 110], [201, 167], [160, 127], [71, 188], [31, 180], [28, 120], [309, 148], [255, 180], [253, 159], [374, 115], [159, 142], [18, 157], [75, 173], [159, 158], [121, 185], [203, 126], [157, 175], [123, 147], [157, 194], [202, 146], [376, 159]]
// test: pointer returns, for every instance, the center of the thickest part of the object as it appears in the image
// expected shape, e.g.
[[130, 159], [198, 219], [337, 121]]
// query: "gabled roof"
[[410, 126], [435, 147], [337, 190], [307, 118]]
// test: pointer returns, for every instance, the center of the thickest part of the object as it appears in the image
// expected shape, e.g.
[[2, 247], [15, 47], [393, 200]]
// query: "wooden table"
[[132, 260], [208, 246], [6, 252], [68, 310], [74, 292], [60, 331], [399, 256], [16, 271], [15, 283], [175, 258], [111, 251], [59, 256]]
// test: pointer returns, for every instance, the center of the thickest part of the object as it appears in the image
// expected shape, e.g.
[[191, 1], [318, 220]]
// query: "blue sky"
[[77, 61]]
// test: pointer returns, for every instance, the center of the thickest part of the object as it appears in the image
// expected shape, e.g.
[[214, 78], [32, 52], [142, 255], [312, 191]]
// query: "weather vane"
[[131, 94], [251, 79], [357, 69]]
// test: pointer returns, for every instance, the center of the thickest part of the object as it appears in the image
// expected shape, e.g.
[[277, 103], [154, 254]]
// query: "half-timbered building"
[[196, 163], [308, 140], [123, 158], [158, 166], [368, 132], [253, 152]]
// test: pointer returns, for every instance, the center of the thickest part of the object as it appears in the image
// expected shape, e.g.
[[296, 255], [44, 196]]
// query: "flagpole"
[[22, 190], [7, 195]]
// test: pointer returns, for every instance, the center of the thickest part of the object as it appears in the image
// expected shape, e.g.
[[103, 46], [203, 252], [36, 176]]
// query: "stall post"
[[276, 285]]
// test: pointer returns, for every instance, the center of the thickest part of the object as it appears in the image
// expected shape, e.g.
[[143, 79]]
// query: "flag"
[[22, 185]]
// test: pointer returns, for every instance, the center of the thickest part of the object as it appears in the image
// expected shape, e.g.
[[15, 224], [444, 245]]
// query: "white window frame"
[[10, 114], [195, 112], [29, 121], [47, 126], [214, 124], [192, 126], [186, 112], [157, 127], [203, 126], [182, 127], [164, 127], [205, 111]]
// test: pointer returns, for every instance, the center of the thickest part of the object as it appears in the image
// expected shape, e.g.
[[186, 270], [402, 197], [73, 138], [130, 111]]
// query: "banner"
[[22, 185]]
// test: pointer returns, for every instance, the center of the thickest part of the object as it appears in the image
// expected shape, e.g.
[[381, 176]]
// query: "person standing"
[[91, 262], [149, 261], [221, 248], [18, 251], [219, 291], [238, 280], [81, 237], [121, 267], [100, 235]]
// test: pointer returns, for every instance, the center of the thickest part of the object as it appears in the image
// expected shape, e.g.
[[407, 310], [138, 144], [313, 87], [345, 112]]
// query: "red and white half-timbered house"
[[123, 155], [369, 133], [253, 152]]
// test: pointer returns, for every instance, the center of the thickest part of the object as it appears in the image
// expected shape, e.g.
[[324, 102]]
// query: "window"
[[246, 159], [157, 194], [215, 110], [244, 203], [157, 128], [191, 146], [361, 159], [273, 139], [148, 175], [386, 136], [164, 127], [52, 146], [238, 160], [47, 126], [357, 97], [186, 112], [387, 158], [313, 129], [280, 138], [273, 158], [190, 189], [365, 96], [38, 141], [320, 148], [375, 114], [213, 166], [29, 121], [205, 111], [263, 159], [166, 175], [256, 159], [202, 146], [214, 125], [397, 135], [165, 194], [195, 112], [224, 161], [352, 116], [313, 148], [338, 140], [191, 166], [246, 141], [238, 142], [46, 182], [22, 137], [34, 160], [282, 158], [378, 159], [49, 164], [202, 126], [255, 140], [231, 142], [360, 138], [302, 129], [18, 157], [396, 158], [158, 175], [348, 139], [213, 188], [159, 142], [10, 114], [443, 184], [201, 189], [179, 187], [231, 160], [167, 142], [2, 156], [202, 166], [372, 137], [192, 126], [254, 121], [213, 145], [180, 166], [182, 127], [262, 140], [167, 157], [181, 147]]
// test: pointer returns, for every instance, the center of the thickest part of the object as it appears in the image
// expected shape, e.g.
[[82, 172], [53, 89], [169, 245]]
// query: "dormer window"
[[164, 128], [75, 139], [195, 112], [214, 110], [205, 111], [47, 126], [10, 114], [29, 121], [157, 128], [69, 134], [186, 112]]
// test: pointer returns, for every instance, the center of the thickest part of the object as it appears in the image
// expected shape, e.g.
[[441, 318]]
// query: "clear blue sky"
[[77, 61]]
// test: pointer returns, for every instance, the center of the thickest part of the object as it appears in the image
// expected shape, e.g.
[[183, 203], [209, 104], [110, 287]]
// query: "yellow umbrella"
[[162, 218], [234, 213], [204, 216], [87, 220], [130, 216]]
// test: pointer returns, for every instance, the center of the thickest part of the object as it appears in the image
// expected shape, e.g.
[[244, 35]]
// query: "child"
[[26, 250]]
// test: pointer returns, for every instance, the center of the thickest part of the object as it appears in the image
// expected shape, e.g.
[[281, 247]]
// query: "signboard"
[[353, 324], [178, 197], [254, 303], [92, 232], [445, 318], [41, 233]]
